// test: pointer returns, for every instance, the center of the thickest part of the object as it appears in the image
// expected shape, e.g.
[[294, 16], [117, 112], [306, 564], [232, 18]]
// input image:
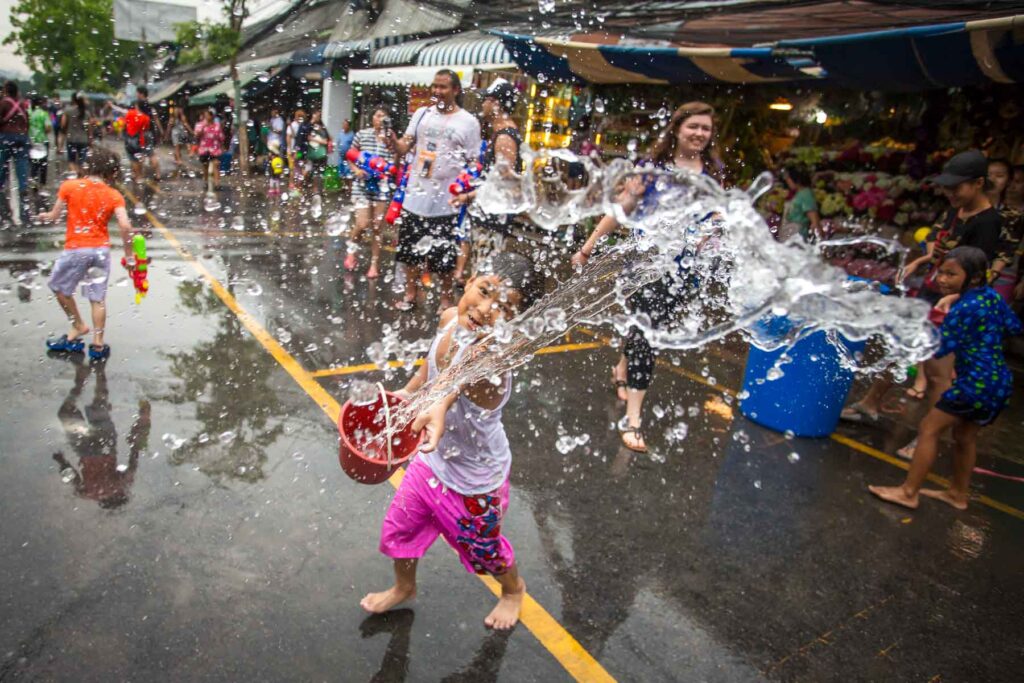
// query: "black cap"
[[969, 165], [504, 92]]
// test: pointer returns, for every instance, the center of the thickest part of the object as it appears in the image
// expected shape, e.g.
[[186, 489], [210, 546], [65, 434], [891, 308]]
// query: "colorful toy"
[[277, 165], [921, 235], [468, 180], [395, 207], [138, 268], [118, 125], [373, 164]]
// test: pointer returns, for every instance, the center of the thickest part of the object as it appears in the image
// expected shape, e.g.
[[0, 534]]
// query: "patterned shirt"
[[974, 331]]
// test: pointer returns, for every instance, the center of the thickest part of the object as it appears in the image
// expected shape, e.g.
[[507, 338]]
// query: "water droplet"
[[226, 437]]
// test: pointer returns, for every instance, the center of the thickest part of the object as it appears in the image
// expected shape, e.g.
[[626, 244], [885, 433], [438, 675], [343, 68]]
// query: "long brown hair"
[[664, 148]]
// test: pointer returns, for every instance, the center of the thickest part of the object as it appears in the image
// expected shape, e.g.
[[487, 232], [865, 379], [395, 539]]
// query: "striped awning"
[[568, 60], [468, 49], [346, 48], [404, 75], [402, 54]]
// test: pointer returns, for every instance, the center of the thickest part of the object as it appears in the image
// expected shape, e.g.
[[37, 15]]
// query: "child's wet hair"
[[102, 162], [974, 264], [520, 274]]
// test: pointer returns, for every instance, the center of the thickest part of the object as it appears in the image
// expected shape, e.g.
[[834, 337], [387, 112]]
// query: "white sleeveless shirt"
[[473, 455]]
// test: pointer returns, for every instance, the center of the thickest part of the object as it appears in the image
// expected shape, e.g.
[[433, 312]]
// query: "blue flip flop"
[[66, 345], [99, 352]]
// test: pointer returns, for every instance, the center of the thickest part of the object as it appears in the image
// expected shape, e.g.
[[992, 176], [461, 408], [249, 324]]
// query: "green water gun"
[[138, 269]]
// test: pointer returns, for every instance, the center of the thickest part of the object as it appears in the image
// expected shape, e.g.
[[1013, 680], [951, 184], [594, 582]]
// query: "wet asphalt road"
[[178, 513]]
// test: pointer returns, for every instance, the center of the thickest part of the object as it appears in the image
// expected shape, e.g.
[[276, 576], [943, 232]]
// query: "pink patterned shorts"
[[424, 508]]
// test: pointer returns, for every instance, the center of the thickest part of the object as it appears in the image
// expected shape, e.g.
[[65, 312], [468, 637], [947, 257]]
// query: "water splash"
[[706, 246]]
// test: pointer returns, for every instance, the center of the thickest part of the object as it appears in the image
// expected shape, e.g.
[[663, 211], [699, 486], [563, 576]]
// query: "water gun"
[[138, 269], [468, 180], [395, 208], [373, 164]]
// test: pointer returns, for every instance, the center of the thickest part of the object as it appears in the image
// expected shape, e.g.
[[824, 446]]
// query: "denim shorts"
[[89, 266]]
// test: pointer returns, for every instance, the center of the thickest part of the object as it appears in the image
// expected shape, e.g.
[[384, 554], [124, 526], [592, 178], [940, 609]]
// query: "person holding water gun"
[[441, 138], [90, 201], [501, 160], [371, 189]]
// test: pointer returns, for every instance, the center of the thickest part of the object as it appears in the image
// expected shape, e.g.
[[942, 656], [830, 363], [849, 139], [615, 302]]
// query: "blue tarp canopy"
[[905, 59], [922, 57]]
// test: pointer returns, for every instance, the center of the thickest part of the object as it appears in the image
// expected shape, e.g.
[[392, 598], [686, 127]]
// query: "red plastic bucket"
[[362, 457]]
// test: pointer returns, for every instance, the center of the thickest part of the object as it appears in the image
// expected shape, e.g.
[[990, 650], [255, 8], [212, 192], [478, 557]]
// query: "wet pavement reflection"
[[178, 512]]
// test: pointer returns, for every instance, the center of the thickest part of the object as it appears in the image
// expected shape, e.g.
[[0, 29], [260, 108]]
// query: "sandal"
[[372, 273], [914, 393], [65, 345], [99, 352], [637, 446], [858, 413], [620, 389]]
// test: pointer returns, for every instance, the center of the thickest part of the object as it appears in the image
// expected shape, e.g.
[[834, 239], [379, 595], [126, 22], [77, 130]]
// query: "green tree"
[[71, 44], [205, 42]]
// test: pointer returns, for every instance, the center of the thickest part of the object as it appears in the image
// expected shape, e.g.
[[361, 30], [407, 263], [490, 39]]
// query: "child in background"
[[90, 201], [458, 485], [973, 331], [274, 169]]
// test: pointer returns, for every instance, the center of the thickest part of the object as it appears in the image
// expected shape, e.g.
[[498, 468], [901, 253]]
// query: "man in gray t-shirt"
[[442, 139]]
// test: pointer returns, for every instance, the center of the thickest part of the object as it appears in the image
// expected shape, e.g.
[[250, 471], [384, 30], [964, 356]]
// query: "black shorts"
[[966, 411], [136, 152], [207, 158], [77, 152], [430, 239]]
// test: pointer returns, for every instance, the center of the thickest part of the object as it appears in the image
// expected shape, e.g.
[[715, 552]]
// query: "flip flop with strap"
[[66, 345]]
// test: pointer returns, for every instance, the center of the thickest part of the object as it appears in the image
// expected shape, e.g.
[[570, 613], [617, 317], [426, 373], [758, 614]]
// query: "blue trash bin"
[[808, 398]]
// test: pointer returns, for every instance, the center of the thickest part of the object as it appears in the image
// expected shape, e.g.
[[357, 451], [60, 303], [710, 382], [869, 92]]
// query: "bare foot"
[[895, 494], [947, 497], [907, 452], [505, 614], [378, 603], [78, 332]]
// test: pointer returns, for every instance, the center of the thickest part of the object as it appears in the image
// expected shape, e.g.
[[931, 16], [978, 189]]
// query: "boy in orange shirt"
[[90, 203]]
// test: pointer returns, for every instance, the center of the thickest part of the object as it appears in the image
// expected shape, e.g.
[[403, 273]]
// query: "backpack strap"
[[14, 110]]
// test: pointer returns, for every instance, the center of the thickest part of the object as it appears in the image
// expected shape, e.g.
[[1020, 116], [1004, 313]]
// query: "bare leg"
[[619, 375], [362, 216], [70, 308], [965, 434], [920, 383], [634, 407], [99, 321], [872, 401], [932, 427], [447, 292], [412, 281], [505, 614], [404, 589], [380, 209], [940, 378], [460, 262]]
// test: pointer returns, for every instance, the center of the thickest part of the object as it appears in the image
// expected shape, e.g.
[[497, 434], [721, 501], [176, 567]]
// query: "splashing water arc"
[[706, 244]]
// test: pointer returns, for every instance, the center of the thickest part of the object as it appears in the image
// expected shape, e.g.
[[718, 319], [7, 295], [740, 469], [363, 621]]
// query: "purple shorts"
[[424, 508], [88, 265]]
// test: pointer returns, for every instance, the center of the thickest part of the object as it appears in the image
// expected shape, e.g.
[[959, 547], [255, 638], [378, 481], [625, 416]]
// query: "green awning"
[[226, 87]]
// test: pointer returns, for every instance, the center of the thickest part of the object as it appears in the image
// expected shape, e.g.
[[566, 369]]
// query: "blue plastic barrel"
[[809, 396]]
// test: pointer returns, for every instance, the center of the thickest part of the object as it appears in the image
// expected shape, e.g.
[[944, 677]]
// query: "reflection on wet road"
[[179, 511]]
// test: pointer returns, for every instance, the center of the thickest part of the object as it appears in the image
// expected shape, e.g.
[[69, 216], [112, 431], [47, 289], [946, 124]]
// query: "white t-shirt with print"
[[444, 144]]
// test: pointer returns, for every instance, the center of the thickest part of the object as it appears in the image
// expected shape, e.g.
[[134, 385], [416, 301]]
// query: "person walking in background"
[[210, 142], [181, 134], [343, 143], [317, 142], [39, 136], [443, 138], [291, 147], [14, 146], [371, 195], [75, 126], [802, 215], [154, 131]]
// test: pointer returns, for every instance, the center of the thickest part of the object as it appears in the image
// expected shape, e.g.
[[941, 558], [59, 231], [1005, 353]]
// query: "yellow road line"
[[573, 657], [371, 367], [835, 436]]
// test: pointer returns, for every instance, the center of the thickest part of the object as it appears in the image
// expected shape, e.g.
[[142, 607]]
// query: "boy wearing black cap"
[[502, 157], [970, 222]]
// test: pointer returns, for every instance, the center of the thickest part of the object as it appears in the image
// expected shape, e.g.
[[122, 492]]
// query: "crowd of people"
[[969, 275]]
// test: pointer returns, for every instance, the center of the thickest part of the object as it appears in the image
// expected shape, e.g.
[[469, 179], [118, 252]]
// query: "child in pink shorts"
[[457, 486]]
